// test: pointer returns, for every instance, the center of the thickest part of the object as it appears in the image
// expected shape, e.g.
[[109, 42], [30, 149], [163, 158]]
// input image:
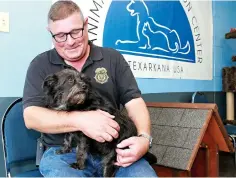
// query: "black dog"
[[69, 90]]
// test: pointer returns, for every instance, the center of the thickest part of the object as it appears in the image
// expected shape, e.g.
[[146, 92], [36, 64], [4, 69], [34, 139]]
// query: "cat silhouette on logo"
[[146, 26]]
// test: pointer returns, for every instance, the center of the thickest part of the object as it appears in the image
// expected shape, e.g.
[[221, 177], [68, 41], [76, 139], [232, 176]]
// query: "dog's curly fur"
[[70, 90]]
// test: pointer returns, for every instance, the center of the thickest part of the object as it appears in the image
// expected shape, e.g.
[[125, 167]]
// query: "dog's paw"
[[74, 165], [109, 171], [77, 166], [109, 174], [59, 152]]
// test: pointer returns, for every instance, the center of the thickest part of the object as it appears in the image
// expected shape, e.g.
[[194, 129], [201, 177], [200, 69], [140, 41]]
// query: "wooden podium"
[[187, 138]]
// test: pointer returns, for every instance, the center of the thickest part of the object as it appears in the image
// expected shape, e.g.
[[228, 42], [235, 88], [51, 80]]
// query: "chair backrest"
[[199, 97], [19, 143]]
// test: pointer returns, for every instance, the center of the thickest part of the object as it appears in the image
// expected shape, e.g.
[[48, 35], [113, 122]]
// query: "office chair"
[[199, 97], [19, 143]]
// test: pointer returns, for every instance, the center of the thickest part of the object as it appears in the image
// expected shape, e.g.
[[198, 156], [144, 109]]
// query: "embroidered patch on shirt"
[[101, 75]]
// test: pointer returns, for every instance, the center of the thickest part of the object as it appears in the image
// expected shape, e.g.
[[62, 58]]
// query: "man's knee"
[[140, 168]]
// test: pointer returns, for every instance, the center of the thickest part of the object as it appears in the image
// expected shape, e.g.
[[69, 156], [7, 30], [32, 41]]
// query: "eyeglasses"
[[62, 37]]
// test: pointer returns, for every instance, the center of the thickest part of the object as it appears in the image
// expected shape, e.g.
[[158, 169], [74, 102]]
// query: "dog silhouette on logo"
[[146, 26]]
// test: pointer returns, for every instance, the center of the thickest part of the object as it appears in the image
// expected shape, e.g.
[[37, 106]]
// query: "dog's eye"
[[71, 80], [59, 95]]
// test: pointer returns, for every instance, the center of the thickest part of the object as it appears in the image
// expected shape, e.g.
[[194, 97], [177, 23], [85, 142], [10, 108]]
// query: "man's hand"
[[137, 147], [100, 126]]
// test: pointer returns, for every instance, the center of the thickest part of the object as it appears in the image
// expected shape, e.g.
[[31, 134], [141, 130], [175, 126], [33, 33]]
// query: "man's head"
[[69, 30], [65, 89]]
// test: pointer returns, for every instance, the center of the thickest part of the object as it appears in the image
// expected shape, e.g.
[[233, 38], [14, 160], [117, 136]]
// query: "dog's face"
[[66, 88]]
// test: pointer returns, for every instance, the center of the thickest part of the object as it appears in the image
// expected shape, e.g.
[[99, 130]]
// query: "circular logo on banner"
[[149, 36]]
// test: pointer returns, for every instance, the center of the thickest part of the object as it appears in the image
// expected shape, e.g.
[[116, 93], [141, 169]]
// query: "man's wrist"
[[148, 137], [77, 119]]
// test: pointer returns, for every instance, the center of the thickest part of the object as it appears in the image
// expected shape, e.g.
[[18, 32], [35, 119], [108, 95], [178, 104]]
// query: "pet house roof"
[[178, 130]]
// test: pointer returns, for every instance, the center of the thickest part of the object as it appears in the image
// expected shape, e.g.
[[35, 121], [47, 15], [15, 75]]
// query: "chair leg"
[[235, 160], [234, 154], [234, 145]]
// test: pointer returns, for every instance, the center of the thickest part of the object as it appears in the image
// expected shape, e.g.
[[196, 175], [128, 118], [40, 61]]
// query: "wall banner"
[[159, 39]]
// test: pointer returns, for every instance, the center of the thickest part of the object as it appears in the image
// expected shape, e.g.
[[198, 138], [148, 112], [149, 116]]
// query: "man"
[[112, 78]]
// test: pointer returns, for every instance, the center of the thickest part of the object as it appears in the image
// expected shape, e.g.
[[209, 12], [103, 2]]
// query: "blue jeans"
[[54, 165]]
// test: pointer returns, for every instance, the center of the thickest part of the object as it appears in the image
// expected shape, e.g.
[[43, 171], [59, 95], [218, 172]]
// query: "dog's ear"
[[49, 82], [85, 78]]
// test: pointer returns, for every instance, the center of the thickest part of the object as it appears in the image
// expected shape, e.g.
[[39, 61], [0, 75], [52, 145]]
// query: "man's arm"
[[97, 125], [138, 112], [49, 121]]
